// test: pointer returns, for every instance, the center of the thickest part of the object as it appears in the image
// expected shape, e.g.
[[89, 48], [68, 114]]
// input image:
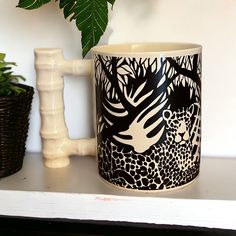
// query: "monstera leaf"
[[91, 17]]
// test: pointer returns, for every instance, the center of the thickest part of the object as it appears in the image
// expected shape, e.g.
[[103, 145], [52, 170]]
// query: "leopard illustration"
[[171, 163]]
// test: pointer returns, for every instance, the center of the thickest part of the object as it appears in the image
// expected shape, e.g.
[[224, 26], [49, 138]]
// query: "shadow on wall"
[[143, 9], [49, 27]]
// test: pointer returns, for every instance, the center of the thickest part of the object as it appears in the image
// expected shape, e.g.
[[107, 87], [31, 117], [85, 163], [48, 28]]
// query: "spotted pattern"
[[169, 164]]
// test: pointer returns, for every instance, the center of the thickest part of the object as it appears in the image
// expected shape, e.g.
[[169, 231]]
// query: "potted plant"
[[15, 106], [91, 17]]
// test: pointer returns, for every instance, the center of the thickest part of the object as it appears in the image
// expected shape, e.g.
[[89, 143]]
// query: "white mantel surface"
[[77, 192]]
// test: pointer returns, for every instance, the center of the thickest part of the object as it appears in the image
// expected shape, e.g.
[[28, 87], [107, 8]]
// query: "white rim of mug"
[[108, 49]]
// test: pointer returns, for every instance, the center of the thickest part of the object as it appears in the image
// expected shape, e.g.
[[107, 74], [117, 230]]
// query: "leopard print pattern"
[[172, 163]]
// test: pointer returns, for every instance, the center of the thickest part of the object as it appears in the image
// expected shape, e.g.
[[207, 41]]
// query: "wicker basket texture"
[[14, 124]]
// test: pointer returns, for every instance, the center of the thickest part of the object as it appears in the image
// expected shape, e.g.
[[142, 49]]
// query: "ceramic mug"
[[148, 114]]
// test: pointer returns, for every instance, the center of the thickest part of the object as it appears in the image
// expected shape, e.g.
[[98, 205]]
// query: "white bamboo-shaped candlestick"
[[56, 145]]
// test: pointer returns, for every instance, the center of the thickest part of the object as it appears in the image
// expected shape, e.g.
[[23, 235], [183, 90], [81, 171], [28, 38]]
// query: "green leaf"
[[32, 4], [2, 56], [68, 7], [8, 80], [91, 19]]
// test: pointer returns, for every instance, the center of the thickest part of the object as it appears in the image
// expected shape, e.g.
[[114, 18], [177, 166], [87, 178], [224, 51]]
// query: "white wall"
[[211, 23]]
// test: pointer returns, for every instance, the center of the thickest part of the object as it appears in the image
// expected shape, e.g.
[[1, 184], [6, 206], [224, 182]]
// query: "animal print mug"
[[148, 114]]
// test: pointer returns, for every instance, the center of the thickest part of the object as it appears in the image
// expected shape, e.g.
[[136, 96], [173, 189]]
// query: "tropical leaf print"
[[132, 94]]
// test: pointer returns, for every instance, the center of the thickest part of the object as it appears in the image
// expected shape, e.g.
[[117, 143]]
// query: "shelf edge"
[[169, 211]]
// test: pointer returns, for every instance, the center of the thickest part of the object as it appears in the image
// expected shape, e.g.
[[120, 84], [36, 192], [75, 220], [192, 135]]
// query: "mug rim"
[[148, 49]]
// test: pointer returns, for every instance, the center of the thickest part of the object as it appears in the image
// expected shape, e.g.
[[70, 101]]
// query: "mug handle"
[[50, 68]]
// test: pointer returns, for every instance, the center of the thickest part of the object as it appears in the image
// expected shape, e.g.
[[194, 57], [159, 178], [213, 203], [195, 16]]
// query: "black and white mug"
[[147, 112]]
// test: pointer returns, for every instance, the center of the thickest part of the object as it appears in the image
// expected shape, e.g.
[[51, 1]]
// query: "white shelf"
[[77, 192]]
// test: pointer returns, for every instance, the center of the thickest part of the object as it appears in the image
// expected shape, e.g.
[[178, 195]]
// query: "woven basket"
[[14, 124]]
